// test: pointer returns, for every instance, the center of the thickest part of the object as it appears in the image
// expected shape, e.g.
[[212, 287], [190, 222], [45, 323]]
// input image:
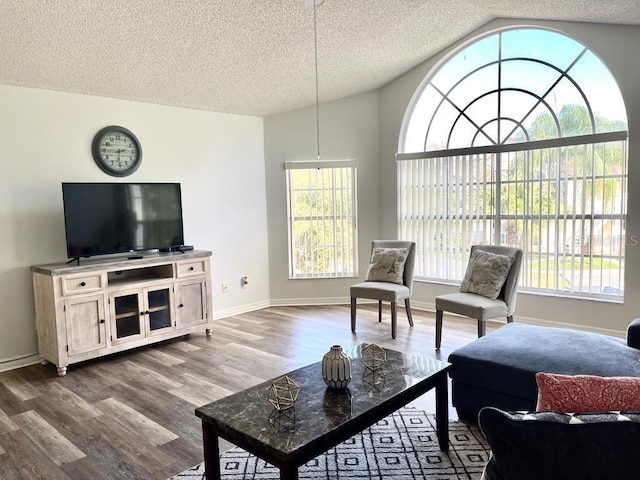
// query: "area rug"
[[401, 446]]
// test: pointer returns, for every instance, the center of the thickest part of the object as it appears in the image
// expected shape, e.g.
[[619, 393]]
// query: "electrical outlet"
[[225, 287], [244, 281]]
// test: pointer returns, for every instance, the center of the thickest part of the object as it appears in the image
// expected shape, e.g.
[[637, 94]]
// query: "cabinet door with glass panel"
[[141, 313], [158, 312]]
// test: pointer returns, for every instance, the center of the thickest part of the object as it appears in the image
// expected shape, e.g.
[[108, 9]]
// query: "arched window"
[[519, 138]]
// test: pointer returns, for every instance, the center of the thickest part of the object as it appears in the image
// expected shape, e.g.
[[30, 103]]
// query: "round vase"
[[336, 368]]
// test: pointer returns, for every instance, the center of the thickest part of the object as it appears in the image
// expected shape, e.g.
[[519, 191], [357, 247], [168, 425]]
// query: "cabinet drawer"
[[188, 269], [73, 285]]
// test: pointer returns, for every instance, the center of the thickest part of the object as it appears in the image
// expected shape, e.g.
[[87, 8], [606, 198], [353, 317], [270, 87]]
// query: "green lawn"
[[573, 263]]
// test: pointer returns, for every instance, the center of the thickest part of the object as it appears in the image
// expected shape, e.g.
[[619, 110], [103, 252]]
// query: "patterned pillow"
[[587, 393], [486, 273], [553, 445], [387, 265]]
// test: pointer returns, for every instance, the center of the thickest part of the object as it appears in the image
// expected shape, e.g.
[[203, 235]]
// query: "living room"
[[231, 170]]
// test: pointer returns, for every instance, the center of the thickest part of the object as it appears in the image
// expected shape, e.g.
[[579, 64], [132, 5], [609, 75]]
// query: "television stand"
[[110, 305]]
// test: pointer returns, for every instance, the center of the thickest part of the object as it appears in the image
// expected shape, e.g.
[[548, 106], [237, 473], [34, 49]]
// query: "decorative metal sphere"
[[373, 356], [283, 393]]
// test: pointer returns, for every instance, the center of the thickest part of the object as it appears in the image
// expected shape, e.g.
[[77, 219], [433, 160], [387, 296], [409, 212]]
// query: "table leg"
[[288, 472], [442, 412], [211, 452]]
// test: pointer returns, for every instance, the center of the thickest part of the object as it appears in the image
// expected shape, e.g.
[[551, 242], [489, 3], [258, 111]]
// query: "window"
[[321, 202], [519, 139]]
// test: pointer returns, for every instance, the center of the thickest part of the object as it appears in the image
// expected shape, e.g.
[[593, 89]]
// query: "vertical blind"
[[562, 201]]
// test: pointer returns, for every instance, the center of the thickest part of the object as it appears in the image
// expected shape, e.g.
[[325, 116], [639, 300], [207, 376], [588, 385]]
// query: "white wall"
[[617, 47], [348, 130], [232, 173], [367, 127], [45, 139]]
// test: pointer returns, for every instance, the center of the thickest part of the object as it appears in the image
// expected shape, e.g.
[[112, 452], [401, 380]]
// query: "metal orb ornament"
[[373, 356], [283, 393]]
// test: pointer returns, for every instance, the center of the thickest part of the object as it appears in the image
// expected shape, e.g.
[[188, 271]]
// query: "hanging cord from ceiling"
[[315, 50]]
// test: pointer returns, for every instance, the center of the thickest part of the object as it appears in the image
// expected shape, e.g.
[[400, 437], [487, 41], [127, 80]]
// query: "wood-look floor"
[[131, 415]]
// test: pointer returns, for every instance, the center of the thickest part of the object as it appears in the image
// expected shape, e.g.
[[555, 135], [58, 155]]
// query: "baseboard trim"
[[301, 302], [230, 312], [13, 363]]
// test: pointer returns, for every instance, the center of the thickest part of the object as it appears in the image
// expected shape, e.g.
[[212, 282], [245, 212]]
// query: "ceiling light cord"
[[315, 49]]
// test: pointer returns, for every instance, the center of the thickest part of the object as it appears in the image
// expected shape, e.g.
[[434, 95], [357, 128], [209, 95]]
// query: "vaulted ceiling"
[[252, 57]]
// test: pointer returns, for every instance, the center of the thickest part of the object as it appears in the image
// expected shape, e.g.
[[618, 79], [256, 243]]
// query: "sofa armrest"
[[633, 334]]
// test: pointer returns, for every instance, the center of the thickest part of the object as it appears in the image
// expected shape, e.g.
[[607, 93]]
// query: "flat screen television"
[[107, 218]]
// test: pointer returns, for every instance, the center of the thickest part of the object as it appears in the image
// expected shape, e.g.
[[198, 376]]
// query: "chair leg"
[[510, 319], [482, 328], [394, 320], [379, 311], [407, 305], [438, 328], [353, 314]]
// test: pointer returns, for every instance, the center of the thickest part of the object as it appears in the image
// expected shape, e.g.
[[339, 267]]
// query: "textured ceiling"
[[246, 56]]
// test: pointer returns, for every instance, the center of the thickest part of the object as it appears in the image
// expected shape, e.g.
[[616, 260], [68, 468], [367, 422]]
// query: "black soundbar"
[[177, 248]]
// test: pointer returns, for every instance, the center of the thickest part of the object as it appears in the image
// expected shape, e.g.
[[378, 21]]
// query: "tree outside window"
[[322, 228], [519, 139]]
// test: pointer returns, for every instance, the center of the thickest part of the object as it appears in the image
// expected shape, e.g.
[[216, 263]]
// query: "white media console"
[[105, 306]]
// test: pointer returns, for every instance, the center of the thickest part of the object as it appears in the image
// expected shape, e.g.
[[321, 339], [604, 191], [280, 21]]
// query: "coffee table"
[[321, 418]]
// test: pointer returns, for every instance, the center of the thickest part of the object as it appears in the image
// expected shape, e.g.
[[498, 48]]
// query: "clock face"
[[117, 151]]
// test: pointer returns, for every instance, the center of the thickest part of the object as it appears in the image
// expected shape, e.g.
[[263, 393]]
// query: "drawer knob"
[[190, 268], [181, 305], [102, 320], [83, 284]]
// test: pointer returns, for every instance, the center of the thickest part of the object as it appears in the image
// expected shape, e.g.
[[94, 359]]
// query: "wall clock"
[[117, 151]]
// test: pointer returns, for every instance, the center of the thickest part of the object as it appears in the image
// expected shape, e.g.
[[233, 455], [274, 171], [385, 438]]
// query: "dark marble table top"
[[321, 416]]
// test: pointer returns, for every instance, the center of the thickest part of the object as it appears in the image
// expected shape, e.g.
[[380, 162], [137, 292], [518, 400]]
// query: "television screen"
[[104, 218]]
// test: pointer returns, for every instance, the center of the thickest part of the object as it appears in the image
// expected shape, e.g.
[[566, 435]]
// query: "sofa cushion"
[[472, 305], [385, 291], [587, 393], [387, 265], [557, 446], [506, 361], [486, 273]]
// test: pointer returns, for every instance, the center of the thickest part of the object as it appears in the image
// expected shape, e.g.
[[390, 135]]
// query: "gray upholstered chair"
[[478, 306], [387, 291]]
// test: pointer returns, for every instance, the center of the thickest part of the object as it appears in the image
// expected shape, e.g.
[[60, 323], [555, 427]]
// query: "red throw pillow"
[[587, 393]]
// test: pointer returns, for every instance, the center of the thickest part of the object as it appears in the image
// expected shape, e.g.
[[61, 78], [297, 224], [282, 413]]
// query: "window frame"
[[501, 148], [339, 220]]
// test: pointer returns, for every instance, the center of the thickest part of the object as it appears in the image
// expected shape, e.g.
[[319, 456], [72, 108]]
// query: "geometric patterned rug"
[[402, 446]]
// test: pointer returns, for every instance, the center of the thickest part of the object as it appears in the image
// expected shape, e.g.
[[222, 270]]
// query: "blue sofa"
[[498, 370]]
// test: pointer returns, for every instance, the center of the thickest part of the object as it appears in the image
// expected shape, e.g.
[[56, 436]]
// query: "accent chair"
[[389, 279], [489, 289]]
